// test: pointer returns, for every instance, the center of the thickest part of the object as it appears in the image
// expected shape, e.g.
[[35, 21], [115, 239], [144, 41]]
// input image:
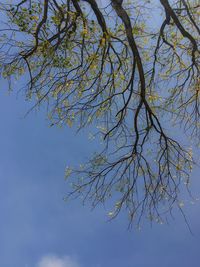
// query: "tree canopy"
[[131, 68]]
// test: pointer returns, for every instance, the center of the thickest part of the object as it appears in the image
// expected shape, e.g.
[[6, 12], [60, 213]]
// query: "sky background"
[[38, 229]]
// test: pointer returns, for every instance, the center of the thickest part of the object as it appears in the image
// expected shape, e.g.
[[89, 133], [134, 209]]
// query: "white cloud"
[[54, 261]]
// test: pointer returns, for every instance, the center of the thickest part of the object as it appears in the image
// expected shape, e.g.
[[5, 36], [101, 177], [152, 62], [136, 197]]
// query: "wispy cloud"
[[54, 261]]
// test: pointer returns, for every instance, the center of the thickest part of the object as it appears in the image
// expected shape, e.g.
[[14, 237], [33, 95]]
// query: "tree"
[[130, 67]]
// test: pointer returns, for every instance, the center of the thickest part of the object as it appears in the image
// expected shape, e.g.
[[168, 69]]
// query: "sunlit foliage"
[[130, 67]]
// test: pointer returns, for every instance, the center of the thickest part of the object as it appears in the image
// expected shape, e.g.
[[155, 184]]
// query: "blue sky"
[[38, 229]]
